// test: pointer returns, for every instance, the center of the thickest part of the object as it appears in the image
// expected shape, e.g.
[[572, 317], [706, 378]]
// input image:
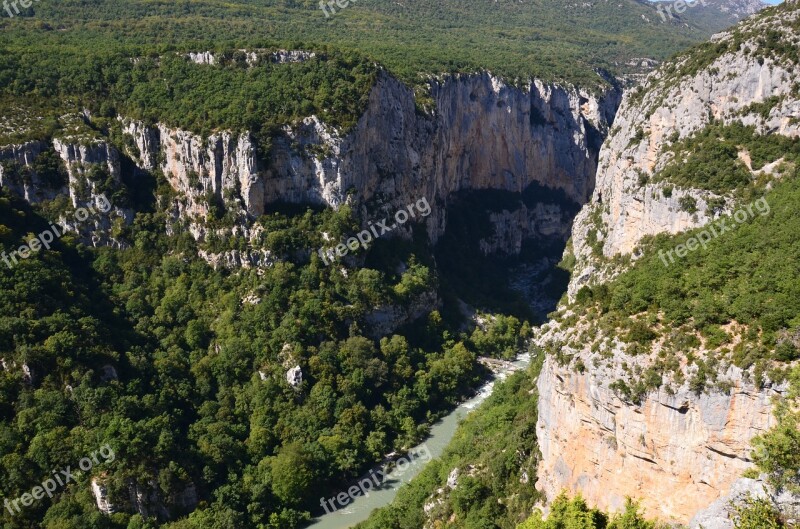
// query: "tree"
[[292, 475], [630, 519], [777, 452], [567, 514]]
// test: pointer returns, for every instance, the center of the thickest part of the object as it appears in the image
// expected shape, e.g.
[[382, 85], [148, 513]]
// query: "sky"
[[771, 2]]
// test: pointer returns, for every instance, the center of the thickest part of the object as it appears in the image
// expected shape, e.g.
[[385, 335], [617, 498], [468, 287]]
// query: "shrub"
[[688, 204], [756, 513]]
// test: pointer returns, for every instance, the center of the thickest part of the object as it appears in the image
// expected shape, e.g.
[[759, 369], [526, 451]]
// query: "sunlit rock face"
[[677, 452]]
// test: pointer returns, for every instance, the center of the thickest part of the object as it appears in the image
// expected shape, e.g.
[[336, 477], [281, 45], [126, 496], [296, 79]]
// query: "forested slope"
[[127, 56]]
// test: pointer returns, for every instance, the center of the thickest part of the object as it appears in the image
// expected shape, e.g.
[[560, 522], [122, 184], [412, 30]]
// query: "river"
[[440, 436]]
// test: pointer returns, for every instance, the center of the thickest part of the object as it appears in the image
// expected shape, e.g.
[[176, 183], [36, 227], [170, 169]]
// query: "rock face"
[[720, 514], [484, 134], [513, 228], [146, 500], [294, 377], [101, 497], [631, 209], [384, 320], [677, 452], [86, 165], [32, 189]]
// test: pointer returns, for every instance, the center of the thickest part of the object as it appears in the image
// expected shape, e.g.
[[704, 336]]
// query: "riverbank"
[[441, 434]]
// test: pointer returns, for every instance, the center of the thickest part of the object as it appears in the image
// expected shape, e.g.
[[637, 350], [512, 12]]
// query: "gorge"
[[260, 378]]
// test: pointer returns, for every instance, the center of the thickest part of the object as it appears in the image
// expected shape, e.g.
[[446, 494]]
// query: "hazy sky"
[[773, 2]]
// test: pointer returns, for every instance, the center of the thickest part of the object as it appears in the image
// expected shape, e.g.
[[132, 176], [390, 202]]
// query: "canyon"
[[678, 452]]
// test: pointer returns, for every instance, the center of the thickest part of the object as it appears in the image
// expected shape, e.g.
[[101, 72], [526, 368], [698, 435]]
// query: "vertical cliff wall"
[[676, 450], [483, 134]]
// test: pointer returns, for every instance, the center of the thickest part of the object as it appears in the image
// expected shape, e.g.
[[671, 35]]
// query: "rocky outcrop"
[[101, 497], [294, 377], [251, 57], [721, 513], [384, 320], [512, 228], [81, 158], [676, 451], [82, 171], [654, 116], [145, 500], [484, 134], [28, 185]]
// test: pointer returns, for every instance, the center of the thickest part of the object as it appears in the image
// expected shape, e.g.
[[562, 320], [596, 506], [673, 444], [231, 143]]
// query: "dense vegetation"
[[172, 89], [575, 514], [495, 453], [710, 158], [201, 395], [127, 57], [736, 299], [566, 513], [411, 38]]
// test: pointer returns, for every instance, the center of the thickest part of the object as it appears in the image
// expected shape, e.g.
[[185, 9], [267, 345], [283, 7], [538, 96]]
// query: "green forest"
[[200, 395], [181, 367], [128, 57]]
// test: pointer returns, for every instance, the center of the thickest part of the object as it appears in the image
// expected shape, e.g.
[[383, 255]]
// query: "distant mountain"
[[712, 15]]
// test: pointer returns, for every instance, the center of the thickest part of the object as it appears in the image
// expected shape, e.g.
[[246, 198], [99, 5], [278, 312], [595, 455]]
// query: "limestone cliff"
[[82, 173], [667, 108], [676, 450], [484, 134]]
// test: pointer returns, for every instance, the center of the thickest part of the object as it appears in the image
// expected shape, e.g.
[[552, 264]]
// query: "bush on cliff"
[[566, 513]]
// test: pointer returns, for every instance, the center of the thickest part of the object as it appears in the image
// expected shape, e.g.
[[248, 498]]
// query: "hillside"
[[254, 251], [660, 369], [711, 15], [670, 343]]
